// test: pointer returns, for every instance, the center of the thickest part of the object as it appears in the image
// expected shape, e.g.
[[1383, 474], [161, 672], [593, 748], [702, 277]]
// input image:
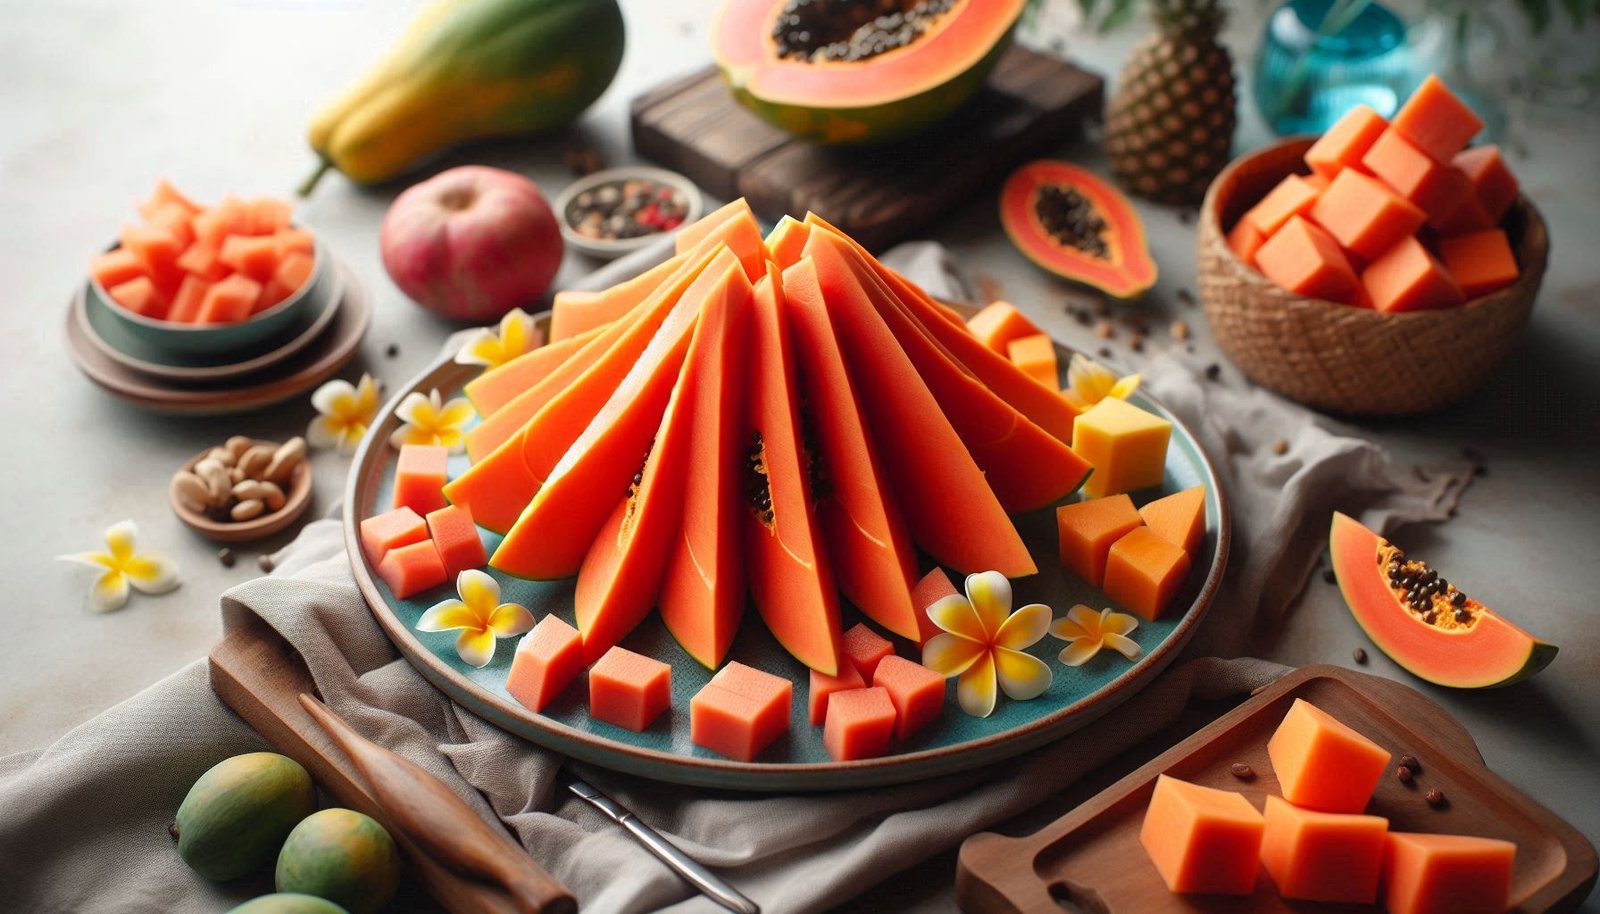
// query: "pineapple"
[[1169, 127]]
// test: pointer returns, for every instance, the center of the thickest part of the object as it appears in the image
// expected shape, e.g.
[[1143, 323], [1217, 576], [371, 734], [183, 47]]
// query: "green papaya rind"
[[343, 856], [238, 813]]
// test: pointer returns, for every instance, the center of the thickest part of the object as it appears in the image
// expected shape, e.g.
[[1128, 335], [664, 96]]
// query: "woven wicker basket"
[[1340, 358]]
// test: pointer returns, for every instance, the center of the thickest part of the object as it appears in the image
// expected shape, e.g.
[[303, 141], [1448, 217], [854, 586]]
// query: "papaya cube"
[[267, 215], [1480, 262], [865, 649], [1292, 197], [629, 689], [293, 240], [255, 257], [412, 568], [1202, 840], [823, 686], [859, 725], [1493, 181], [1447, 874], [200, 259], [166, 194], [272, 293], [1244, 240], [1323, 764], [1126, 446], [1468, 216], [934, 586], [1086, 530], [1322, 856], [140, 296], [547, 660], [229, 300], [115, 267], [214, 225], [1436, 120], [1000, 323], [1434, 187], [190, 296], [157, 251], [1036, 356], [419, 477], [1408, 278], [1144, 572], [456, 536], [389, 530], [175, 219], [1365, 216], [740, 712], [293, 270], [1179, 518], [1304, 259], [917, 693], [1343, 145]]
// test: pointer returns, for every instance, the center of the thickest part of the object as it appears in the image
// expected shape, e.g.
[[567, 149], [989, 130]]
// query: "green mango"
[[288, 903], [343, 856], [235, 817]]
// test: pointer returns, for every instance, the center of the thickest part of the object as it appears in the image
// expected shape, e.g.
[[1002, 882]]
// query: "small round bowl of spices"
[[613, 212], [243, 489]]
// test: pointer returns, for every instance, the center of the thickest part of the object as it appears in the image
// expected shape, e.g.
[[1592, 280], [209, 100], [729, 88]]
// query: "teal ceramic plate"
[[798, 761]]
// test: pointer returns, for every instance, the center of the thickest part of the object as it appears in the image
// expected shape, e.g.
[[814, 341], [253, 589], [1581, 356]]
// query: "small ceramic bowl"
[[245, 338], [565, 208], [297, 497]]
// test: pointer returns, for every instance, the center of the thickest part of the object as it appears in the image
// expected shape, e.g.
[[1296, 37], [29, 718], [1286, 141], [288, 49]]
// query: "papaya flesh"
[[1073, 224], [1440, 635], [237, 814]]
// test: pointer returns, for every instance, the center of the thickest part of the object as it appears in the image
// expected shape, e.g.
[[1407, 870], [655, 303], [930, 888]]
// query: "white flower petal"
[[510, 620], [325, 432], [1021, 676], [447, 615], [478, 590], [1115, 623], [990, 595], [350, 440], [1024, 628], [335, 397], [975, 690], [408, 409], [110, 592], [479, 349], [476, 647], [1123, 645], [122, 538], [96, 560], [1079, 651], [949, 654], [954, 614], [151, 573]]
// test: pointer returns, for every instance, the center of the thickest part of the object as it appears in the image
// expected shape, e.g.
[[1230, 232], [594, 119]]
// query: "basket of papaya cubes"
[[1384, 268]]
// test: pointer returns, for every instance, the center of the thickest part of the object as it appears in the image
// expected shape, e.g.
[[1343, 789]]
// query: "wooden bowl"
[[296, 499], [1345, 359]]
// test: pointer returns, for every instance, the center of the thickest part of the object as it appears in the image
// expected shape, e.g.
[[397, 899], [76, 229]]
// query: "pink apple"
[[472, 243]]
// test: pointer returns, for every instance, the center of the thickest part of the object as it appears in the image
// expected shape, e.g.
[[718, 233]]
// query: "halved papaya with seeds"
[[1070, 222], [791, 580], [563, 517], [869, 544]]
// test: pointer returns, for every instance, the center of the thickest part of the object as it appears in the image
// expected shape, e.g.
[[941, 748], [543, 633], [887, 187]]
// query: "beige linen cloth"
[[83, 822]]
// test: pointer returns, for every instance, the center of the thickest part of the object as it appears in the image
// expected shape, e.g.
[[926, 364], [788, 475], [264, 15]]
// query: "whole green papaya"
[[343, 856], [237, 814]]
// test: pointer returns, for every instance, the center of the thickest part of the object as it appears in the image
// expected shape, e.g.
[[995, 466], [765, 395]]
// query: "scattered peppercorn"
[[1102, 308], [1360, 655], [1242, 771], [1403, 774], [1213, 371], [1328, 577], [1410, 761], [226, 557], [1105, 352], [1180, 329], [1280, 447], [1435, 797], [1185, 216], [1104, 330], [265, 563], [1136, 342], [1186, 297], [391, 350]]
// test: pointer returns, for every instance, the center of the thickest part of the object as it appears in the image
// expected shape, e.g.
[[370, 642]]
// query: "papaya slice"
[[574, 312], [493, 389], [787, 241], [1026, 466], [563, 517], [868, 542], [691, 235], [791, 580], [1439, 635], [949, 507], [622, 572], [1077, 226]]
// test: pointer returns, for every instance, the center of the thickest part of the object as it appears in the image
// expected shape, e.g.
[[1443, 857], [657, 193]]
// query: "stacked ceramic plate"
[[216, 369]]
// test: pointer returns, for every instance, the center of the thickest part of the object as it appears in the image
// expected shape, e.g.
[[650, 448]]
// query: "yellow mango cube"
[[1126, 445]]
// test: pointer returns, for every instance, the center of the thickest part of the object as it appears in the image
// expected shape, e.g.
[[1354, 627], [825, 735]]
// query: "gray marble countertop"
[[102, 97]]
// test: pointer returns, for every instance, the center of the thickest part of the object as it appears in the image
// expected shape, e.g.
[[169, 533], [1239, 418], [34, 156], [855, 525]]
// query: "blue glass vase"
[[1318, 58]]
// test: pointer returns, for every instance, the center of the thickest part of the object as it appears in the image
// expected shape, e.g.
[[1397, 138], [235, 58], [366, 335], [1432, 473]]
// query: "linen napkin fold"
[[82, 823]]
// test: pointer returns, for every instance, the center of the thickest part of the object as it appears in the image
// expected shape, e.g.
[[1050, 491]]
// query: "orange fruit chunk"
[[859, 724], [1436, 120], [629, 689], [1323, 764], [1343, 145], [1323, 856], [1364, 216], [547, 660], [1304, 259], [1201, 839], [1480, 262], [412, 568], [1086, 530], [1144, 572]]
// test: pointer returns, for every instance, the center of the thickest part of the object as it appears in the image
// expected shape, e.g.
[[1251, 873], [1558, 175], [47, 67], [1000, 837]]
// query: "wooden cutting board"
[[1091, 858], [1031, 105]]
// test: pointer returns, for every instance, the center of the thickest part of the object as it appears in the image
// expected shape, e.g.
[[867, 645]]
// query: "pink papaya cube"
[[455, 534], [391, 529], [547, 660], [822, 686], [917, 693], [419, 477], [740, 711], [629, 689], [865, 649], [860, 723], [411, 569]]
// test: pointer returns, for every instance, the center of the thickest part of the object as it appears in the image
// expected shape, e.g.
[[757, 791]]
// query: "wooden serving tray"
[[878, 195], [1091, 860]]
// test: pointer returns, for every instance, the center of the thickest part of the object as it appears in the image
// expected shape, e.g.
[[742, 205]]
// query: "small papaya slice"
[[1075, 225], [787, 241], [574, 313], [493, 389]]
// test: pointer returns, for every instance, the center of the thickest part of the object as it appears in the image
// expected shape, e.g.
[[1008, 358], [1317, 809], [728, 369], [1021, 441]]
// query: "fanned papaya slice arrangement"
[[774, 422]]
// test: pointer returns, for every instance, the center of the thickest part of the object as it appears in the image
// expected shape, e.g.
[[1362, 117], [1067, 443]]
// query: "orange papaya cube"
[[1434, 187], [175, 219], [1303, 259], [1364, 216], [1202, 840], [115, 267], [934, 586], [629, 689], [740, 711], [1086, 530], [419, 477], [1000, 323], [267, 215], [1468, 216], [456, 537], [190, 296], [214, 225], [272, 293], [254, 256], [823, 686], [1408, 278], [1323, 764], [1480, 262], [1436, 120], [1036, 356], [201, 260], [140, 296], [1244, 239], [293, 270], [157, 251], [865, 649], [1126, 445], [547, 660], [411, 569], [166, 194], [1179, 518], [229, 300], [294, 240], [1343, 145], [1322, 856], [917, 693], [1447, 874], [859, 725], [1490, 177], [390, 530], [1144, 572], [1292, 197]]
